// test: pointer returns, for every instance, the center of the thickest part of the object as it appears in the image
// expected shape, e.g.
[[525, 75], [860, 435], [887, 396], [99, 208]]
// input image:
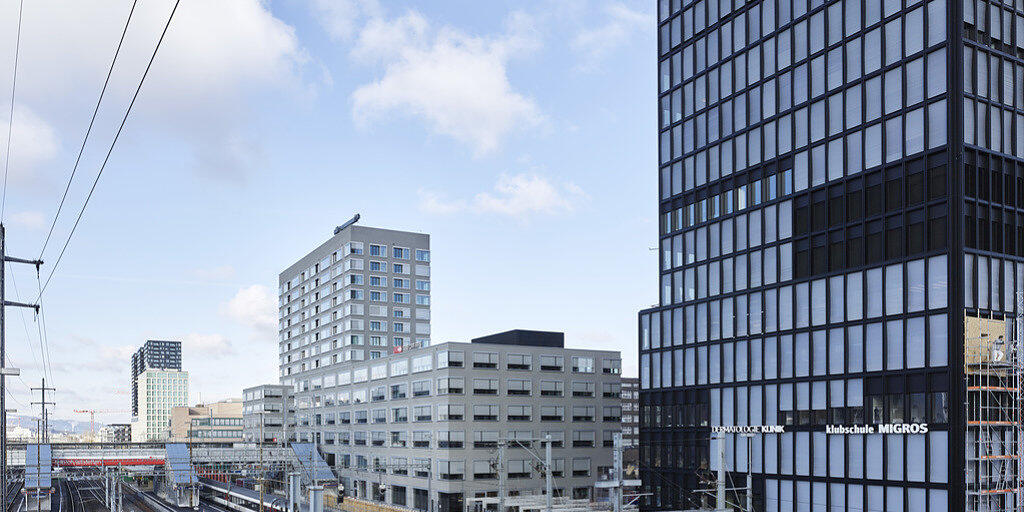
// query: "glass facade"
[[841, 191]]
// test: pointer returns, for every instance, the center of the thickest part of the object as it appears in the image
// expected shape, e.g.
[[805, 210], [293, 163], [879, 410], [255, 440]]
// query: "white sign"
[[748, 429], [885, 428]]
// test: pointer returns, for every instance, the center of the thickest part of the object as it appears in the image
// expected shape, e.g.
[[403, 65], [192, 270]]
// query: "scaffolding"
[[993, 371]]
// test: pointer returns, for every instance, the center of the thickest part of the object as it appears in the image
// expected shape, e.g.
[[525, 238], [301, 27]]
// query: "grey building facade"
[[423, 425], [363, 294], [266, 408], [631, 425], [157, 355]]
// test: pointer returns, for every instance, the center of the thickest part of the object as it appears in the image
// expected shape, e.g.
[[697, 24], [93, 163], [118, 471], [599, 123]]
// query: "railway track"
[[13, 500], [12, 496]]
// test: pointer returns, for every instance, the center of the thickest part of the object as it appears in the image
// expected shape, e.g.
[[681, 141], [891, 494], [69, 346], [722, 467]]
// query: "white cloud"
[[218, 63], [456, 83], [207, 344], [28, 220], [620, 24], [254, 306], [520, 195], [33, 143], [341, 18]]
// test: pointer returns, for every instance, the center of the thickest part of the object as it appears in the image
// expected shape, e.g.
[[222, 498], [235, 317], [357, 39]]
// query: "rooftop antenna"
[[351, 221]]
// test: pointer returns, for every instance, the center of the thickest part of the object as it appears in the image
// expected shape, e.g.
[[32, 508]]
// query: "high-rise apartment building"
[[155, 354], [841, 194], [159, 391], [363, 294]]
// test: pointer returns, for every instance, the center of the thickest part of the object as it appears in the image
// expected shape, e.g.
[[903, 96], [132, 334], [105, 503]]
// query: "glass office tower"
[[841, 225]]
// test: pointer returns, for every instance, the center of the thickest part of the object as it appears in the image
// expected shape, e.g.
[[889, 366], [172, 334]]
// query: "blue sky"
[[520, 135]]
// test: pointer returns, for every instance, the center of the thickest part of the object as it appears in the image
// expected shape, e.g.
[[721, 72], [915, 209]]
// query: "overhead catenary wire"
[[110, 151], [88, 131], [10, 119]]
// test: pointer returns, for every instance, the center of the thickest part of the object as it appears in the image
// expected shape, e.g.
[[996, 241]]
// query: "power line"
[[88, 130], [10, 120], [109, 151]]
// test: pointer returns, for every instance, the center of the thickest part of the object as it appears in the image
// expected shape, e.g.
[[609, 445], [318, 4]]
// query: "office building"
[[158, 392], [155, 354], [219, 422], [841, 188], [265, 410], [425, 423]]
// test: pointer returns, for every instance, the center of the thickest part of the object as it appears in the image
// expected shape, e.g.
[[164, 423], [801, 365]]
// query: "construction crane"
[[92, 416]]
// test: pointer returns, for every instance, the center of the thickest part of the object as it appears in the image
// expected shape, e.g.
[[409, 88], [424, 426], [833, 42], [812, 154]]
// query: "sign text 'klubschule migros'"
[[884, 428]]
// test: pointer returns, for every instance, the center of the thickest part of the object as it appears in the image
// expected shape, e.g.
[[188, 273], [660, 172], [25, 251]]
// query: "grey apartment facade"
[[363, 294], [424, 425], [266, 410]]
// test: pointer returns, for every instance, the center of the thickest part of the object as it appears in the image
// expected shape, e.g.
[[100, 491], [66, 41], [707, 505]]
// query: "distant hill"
[[56, 424]]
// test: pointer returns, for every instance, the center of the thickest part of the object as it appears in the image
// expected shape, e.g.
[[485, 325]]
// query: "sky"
[[521, 135]]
